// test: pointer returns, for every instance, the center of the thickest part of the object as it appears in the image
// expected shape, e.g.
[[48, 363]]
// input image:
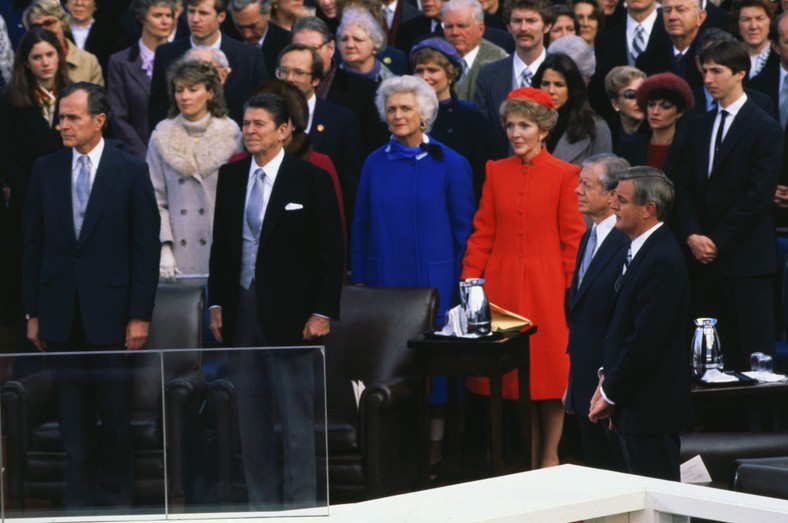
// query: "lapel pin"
[[321, 127]]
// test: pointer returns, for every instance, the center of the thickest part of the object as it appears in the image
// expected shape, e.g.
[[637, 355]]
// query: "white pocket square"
[[293, 206]]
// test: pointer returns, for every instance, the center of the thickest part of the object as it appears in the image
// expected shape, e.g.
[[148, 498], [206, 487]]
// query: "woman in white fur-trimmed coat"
[[184, 156]]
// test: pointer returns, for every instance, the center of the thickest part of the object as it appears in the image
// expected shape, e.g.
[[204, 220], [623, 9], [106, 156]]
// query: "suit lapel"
[[578, 261], [99, 193], [62, 182], [503, 83], [737, 130], [285, 180], [316, 132], [607, 253], [706, 127], [139, 76]]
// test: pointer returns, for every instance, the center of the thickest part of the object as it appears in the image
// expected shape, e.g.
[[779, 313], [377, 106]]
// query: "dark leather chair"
[[764, 476], [36, 462], [721, 451], [372, 448]]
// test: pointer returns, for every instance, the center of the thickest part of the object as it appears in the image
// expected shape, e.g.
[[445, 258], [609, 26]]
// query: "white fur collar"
[[178, 149]]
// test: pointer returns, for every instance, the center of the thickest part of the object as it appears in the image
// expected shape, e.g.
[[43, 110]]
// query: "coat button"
[[181, 181], [183, 212], [202, 242], [449, 131], [183, 243], [201, 211]]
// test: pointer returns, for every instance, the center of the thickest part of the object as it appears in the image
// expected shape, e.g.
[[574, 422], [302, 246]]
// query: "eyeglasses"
[[284, 72], [628, 94], [48, 23]]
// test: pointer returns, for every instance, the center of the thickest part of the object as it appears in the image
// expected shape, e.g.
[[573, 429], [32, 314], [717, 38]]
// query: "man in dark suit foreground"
[[90, 274], [275, 280], [644, 387], [599, 260], [727, 182]]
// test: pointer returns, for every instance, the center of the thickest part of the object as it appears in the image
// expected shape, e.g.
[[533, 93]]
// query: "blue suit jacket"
[[589, 307], [335, 132], [129, 92], [112, 269], [248, 72], [492, 86], [645, 352]]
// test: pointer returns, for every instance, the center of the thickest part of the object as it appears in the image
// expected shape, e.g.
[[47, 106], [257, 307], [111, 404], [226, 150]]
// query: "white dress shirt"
[[95, 158]]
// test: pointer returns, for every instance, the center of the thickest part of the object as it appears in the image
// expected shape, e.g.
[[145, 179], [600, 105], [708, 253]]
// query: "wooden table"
[[764, 401], [455, 358]]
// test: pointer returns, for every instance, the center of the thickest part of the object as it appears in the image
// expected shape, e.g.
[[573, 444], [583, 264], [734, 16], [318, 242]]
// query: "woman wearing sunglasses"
[[628, 120]]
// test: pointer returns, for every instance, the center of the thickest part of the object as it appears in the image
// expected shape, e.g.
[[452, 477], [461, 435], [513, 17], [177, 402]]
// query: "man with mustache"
[[528, 21]]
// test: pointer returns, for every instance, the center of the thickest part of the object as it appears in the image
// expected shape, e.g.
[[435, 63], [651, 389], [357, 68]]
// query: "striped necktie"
[[526, 77], [638, 43]]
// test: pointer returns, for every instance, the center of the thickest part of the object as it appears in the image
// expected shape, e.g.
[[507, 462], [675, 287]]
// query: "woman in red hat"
[[525, 239]]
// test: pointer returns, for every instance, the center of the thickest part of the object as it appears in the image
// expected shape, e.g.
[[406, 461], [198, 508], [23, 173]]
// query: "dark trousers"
[[94, 393], [596, 441], [267, 382], [743, 308], [651, 455]]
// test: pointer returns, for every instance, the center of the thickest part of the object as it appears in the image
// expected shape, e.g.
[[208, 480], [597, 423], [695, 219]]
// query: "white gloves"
[[167, 266]]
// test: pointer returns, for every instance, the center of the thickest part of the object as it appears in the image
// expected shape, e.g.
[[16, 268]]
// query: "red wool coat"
[[524, 243]]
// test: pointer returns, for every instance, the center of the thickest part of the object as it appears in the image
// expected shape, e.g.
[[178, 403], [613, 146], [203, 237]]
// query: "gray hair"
[[426, 101], [238, 5], [47, 8], [578, 50], [218, 58], [362, 18], [139, 8], [312, 23], [611, 166], [476, 8], [650, 185]]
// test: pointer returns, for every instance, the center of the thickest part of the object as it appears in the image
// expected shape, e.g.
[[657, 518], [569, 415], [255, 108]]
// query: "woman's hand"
[[167, 266]]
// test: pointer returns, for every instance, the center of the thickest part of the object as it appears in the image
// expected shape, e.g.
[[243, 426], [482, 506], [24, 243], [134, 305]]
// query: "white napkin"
[[765, 377], [715, 376], [457, 325]]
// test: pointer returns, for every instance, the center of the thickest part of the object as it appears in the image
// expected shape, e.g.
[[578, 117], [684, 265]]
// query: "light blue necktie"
[[590, 248], [638, 43], [526, 77], [254, 216], [82, 190]]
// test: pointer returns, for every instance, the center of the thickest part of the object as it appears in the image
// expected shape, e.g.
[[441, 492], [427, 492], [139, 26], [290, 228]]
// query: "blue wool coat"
[[412, 220]]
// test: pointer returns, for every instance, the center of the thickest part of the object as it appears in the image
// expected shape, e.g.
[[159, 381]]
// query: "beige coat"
[[184, 159], [82, 65]]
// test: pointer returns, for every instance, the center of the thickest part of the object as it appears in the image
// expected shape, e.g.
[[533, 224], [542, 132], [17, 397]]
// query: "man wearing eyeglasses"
[[246, 61], [332, 129]]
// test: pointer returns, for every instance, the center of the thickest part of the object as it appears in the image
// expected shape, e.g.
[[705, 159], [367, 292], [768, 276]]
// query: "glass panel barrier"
[[240, 432]]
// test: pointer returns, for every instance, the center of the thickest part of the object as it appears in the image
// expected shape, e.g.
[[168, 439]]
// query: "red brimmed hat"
[[534, 95]]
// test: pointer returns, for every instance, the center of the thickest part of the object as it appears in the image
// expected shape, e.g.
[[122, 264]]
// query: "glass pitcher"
[[476, 306]]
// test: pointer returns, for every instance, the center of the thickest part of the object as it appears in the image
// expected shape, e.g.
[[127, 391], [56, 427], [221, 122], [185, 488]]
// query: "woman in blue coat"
[[414, 209]]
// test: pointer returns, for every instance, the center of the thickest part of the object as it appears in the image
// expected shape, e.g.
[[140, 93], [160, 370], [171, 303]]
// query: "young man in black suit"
[[246, 62], [644, 388], [599, 259], [91, 262], [727, 181], [275, 280]]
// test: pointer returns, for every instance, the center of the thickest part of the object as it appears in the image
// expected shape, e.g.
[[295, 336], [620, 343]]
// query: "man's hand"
[[781, 196], [136, 333], [216, 322], [599, 408], [316, 327], [32, 334], [702, 247]]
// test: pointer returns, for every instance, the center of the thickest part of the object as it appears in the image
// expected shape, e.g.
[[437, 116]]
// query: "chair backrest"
[[370, 341], [177, 323]]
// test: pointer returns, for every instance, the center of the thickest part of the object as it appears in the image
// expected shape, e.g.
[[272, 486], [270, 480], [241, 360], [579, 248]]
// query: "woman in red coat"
[[525, 239]]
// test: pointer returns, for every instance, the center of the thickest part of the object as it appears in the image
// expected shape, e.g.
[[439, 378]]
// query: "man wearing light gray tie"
[[89, 279]]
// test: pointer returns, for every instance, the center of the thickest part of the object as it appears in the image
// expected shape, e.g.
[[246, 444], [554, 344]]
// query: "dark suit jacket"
[[275, 40], [635, 148], [588, 311], [612, 49], [335, 132], [733, 205], [716, 17], [129, 92], [492, 86], [248, 71], [112, 269], [758, 98], [102, 38], [418, 29], [300, 262], [645, 354], [659, 59], [404, 12]]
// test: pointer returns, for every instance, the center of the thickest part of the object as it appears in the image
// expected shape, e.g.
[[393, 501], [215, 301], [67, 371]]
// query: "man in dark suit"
[[340, 87], [528, 22], [395, 13], [251, 19], [644, 387], [275, 280], [727, 181], [599, 260], [642, 29], [90, 274], [246, 61], [333, 129], [682, 20]]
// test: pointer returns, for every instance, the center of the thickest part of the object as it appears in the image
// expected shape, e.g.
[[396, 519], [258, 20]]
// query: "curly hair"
[[193, 72]]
